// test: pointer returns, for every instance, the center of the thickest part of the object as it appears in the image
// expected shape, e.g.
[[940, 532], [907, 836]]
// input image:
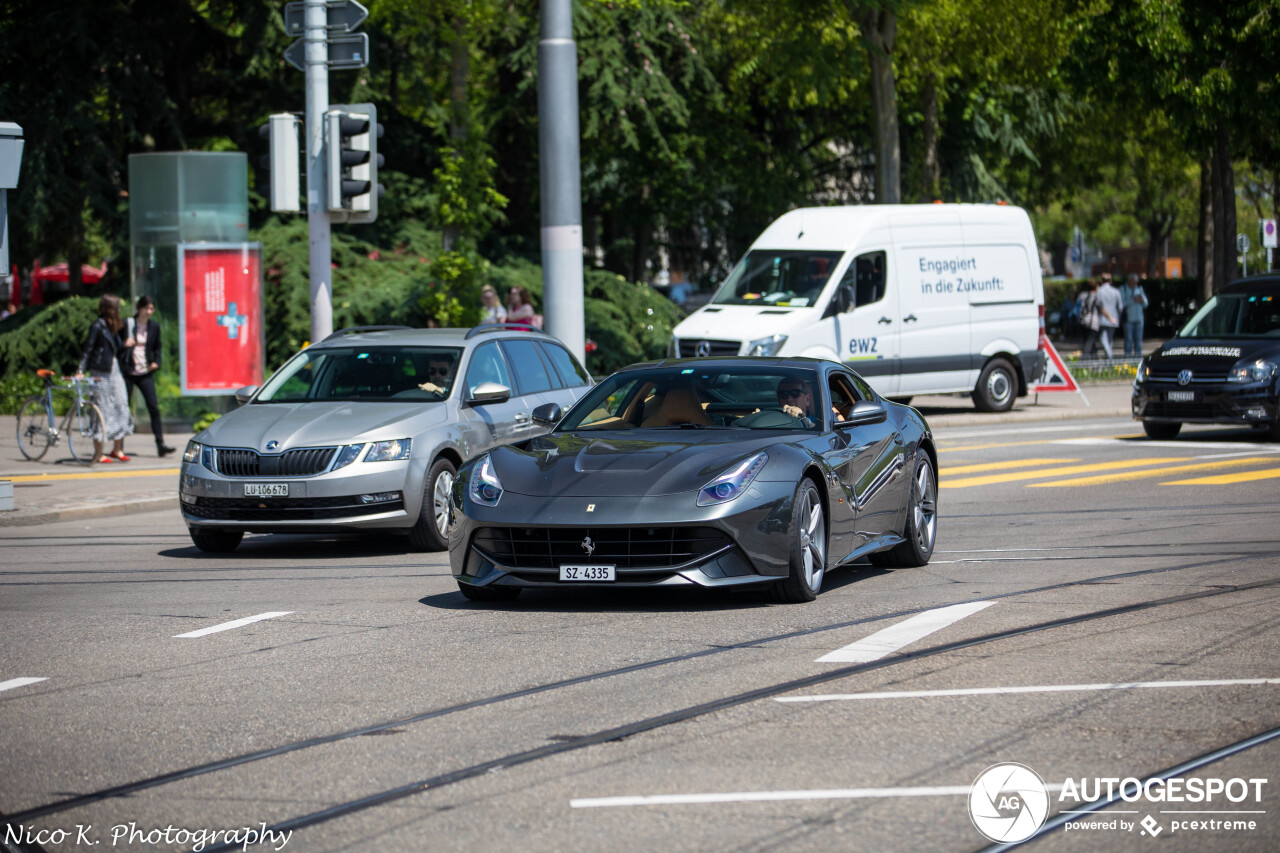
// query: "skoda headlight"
[[347, 455], [192, 453], [485, 488], [1259, 371], [766, 346], [733, 482], [388, 451]]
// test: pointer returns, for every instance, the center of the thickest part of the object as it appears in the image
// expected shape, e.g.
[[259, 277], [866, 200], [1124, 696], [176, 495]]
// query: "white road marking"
[[777, 796], [235, 623], [904, 633], [1041, 688], [18, 682]]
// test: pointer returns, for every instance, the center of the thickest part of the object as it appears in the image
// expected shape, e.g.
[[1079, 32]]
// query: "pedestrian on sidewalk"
[[492, 309], [1089, 317], [141, 361], [1135, 300], [1109, 306], [101, 359]]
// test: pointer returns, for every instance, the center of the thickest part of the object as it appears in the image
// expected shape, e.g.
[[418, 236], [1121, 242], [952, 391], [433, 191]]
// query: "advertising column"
[[220, 337]]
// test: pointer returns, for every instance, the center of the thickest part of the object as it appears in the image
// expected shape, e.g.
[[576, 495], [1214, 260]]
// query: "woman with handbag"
[[140, 361], [1090, 317], [101, 359]]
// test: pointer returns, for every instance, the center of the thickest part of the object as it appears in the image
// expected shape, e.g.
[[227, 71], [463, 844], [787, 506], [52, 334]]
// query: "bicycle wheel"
[[34, 436], [80, 427]]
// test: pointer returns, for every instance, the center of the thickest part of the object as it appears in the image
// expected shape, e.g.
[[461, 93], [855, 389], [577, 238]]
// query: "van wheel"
[[901, 401], [1161, 430], [1273, 430], [997, 387]]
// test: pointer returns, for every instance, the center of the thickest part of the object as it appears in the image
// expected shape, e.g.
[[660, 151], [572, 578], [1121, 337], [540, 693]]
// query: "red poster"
[[222, 312]]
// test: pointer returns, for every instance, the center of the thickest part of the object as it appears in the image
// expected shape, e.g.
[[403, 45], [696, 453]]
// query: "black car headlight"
[[485, 488], [192, 453], [1259, 371], [733, 482]]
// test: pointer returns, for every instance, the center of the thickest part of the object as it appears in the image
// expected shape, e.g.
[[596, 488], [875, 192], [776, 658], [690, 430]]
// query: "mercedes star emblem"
[[703, 349]]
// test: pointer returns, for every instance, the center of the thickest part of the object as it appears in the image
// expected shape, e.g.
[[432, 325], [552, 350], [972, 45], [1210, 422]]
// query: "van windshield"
[[783, 278], [1236, 315]]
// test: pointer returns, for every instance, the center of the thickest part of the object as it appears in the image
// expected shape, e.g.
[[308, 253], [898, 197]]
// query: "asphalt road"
[[1128, 588]]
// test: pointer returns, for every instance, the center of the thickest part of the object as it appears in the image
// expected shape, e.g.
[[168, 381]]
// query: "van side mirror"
[[548, 414], [841, 302], [488, 392], [245, 394], [864, 412]]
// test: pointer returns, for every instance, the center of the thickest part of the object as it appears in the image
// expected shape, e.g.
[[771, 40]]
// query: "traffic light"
[[283, 161], [351, 133]]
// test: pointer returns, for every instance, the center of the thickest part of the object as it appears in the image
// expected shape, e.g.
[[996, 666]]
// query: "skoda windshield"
[[363, 374], [784, 278], [681, 397], [1236, 315]]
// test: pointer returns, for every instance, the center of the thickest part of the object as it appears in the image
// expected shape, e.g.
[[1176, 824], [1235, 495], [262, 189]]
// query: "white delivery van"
[[919, 299]]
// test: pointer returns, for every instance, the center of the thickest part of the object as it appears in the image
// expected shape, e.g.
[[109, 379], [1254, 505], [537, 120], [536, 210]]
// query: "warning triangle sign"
[[1056, 376]]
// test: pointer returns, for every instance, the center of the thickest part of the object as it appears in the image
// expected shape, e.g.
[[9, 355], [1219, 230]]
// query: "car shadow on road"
[[645, 600], [305, 547]]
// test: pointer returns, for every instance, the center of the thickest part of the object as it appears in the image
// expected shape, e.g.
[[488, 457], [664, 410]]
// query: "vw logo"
[[1184, 378], [272, 445], [703, 349], [588, 546]]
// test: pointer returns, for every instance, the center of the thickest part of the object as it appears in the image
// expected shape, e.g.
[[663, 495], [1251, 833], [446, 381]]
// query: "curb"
[[23, 518]]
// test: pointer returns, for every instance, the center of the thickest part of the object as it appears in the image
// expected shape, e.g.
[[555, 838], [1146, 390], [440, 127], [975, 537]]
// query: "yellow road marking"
[[1151, 472], [1227, 479], [996, 466], [96, 475], [1045, 473]]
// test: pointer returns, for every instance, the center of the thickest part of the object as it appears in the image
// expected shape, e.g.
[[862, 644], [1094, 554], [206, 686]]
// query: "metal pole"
[[319, 255], [561, 176]]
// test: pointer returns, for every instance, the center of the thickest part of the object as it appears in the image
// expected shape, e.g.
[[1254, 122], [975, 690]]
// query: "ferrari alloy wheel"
[[808, 546], [431, 533], [921, 530]]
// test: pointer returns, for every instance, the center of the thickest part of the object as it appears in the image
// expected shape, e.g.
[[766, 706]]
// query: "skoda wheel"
[[431, 533], [808, 546], [997, 387], [214, 541]]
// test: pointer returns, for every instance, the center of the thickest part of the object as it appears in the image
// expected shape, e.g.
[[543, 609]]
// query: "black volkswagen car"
[[1222, 368]]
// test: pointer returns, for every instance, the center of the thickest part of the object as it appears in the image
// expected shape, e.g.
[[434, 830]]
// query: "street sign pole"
[[317, 85]]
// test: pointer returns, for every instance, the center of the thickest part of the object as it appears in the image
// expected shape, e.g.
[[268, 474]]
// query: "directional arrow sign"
[[343, 16], [344, 52]]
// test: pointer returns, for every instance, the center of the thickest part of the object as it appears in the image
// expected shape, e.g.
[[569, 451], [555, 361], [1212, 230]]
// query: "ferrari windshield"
[[785, 278], [364, 374], [1236, 315], [683, 397]]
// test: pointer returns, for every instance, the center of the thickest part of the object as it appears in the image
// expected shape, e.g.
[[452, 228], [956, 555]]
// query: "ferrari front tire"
[[808, 561]]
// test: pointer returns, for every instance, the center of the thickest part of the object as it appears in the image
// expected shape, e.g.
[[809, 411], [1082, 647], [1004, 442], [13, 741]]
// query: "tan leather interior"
[[679, 406]]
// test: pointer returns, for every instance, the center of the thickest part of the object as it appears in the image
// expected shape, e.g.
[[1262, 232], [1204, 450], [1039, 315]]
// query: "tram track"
[[560, 747]]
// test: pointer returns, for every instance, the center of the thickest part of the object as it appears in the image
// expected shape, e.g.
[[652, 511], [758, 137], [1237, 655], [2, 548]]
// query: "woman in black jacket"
[[100, 359], [141, 341]]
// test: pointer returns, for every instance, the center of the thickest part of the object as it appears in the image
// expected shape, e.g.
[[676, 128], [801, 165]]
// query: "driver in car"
[[796, 399], [438, 370]]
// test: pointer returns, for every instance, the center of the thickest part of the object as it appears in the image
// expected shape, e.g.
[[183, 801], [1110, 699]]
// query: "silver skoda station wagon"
[[365, 431]]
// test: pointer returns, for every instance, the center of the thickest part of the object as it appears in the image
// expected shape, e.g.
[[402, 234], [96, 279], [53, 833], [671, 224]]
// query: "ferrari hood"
[[320, 424], [617, 465]]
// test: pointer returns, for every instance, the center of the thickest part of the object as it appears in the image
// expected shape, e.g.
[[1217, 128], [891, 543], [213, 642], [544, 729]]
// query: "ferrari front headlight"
[[485, 488], [733, 482]]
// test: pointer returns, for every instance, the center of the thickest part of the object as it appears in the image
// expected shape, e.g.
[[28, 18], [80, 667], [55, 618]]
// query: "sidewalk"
[[58, 488]]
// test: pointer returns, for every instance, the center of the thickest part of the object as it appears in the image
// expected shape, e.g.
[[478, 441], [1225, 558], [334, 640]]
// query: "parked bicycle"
[[38, 428]]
